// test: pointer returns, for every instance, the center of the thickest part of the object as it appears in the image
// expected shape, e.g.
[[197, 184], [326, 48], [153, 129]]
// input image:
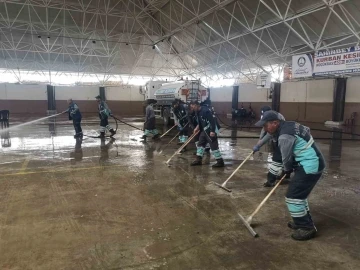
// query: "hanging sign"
[[346, 60], [302, 66]]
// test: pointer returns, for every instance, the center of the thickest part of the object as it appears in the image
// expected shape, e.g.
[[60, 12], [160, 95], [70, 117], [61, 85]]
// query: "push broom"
[[171, 139], [181, 148], [223, 185], [170, 142], [247, 221]]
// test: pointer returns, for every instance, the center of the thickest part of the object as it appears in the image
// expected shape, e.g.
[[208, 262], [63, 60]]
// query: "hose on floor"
[[127, 123]]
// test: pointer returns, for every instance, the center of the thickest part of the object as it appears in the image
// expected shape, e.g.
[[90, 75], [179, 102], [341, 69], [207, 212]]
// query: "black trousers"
[[77, 126], [298, 191], [104, 122], [184, 131], [150, 124], [205, 139]]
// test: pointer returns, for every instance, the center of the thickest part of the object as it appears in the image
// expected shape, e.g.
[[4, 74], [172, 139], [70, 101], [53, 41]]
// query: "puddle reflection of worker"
[[104, 149], [77, 154], [4, 118], [5, 139], [151, 148]]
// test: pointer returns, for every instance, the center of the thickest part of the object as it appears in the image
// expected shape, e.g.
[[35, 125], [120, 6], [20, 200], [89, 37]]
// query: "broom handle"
[[266, 198], [185, 144], [170, 141], [171, 129], [238, 168], [173, 138], [167, 131]]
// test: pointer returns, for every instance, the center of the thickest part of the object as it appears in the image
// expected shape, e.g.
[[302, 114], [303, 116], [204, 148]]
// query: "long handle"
[[238, 168], [264, 200], [171, 129], [185, 144], [172, 139], [167, 131]]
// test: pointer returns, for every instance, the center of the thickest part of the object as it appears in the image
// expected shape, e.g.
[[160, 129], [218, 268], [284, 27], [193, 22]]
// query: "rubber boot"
[[271, 179], [303, 234], [78, 135], [157, 136], [219, 163], [292, 225], [143, 138], [102, 135], [113, 132], [197, 161]]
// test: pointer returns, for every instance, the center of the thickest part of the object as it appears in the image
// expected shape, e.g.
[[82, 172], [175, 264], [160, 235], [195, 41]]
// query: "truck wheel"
[[166, 116]]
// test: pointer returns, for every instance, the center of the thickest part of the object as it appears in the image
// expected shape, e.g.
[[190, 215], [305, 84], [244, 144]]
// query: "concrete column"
[[335, 148], [235, 100], [102, 93], [339, 100], [51, 99], [276, 94]]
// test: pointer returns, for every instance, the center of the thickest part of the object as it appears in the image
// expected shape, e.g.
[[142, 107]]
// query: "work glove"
[[287, 173], [256, 148]]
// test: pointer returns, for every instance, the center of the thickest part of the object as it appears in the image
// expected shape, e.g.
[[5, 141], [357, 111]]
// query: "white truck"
[[164, 93]]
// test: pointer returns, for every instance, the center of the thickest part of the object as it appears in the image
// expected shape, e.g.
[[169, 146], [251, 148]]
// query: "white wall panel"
[[353, 90], [247, 93], [221, 94], [250, 93], [76, 92], [320, 91], [293, 92], [124, 93], [22, 92], [308, 91]]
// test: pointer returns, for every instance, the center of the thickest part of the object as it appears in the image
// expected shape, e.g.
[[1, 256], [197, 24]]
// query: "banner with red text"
[[339, 61]]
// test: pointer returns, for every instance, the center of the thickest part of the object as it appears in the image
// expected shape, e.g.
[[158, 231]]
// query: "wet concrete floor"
[[116, 205]]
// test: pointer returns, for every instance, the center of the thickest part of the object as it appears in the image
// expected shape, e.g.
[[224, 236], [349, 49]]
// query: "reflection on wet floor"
[[56, 139], [5, 139], [114, 204], [34, 140]]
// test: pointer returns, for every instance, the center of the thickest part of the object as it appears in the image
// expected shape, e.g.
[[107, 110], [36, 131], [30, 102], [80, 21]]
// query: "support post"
[[235, 100], [338, 103], [102, 93], [51, 100], [339, 100], [276, 94]]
